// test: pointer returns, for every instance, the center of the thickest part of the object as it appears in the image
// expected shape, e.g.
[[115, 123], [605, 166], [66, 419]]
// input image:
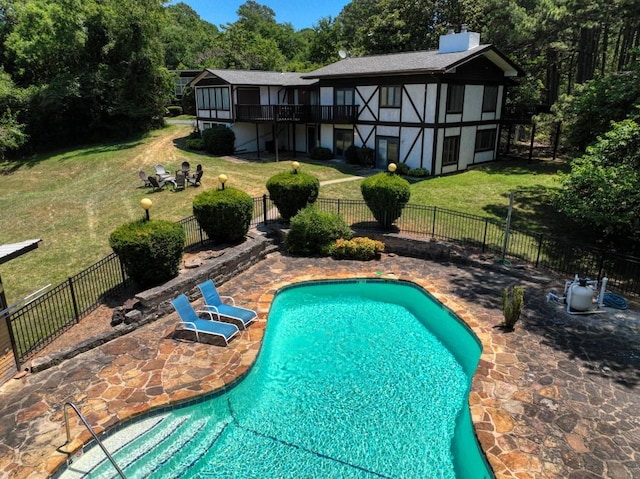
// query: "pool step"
[[85, 464], [149, 448]]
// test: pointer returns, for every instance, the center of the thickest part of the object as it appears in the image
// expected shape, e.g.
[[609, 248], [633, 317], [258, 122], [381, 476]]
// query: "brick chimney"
[[458, 42]]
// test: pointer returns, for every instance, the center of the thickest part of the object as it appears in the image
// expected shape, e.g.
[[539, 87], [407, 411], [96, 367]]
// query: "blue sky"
[[301, 14]]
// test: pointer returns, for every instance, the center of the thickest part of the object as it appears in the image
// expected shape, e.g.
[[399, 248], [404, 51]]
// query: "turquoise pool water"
[[355, 379]]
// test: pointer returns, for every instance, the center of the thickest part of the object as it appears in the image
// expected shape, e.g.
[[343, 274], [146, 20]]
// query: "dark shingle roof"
[[410, 62], [256, 77]]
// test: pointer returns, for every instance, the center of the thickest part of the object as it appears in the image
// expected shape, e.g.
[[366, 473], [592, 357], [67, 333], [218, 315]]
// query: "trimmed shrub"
[[351, 155], [385, 195], [402, 168], [174, 110], [150, 251], [320, 153], [418, 172], [291, 191], [225, 215], [219, 140], [314, 232], [360, 248], [366, 157], [195, 144]]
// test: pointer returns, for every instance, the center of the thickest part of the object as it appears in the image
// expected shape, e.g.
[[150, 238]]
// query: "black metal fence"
[[40, 321]]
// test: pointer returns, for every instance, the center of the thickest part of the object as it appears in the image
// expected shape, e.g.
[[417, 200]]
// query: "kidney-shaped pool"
[[360, 378]]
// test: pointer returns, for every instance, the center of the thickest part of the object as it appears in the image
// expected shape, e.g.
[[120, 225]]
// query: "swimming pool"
[[355, 379]]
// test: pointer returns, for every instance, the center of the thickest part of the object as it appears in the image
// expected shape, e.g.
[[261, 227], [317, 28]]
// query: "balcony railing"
[[298, 113], [522, 114]]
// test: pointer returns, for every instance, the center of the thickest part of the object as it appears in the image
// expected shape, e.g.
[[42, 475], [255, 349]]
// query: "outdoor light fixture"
[[392, 167], [296, 166], [146, 203], [222, 178]]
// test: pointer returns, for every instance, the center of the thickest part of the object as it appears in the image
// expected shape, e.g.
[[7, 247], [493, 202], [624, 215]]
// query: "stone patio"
[[556, 398]]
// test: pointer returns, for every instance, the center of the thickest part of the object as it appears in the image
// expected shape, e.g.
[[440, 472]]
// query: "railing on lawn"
[[39, 321]]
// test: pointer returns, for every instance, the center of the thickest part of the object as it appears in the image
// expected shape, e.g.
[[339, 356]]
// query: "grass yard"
[[74, 199]]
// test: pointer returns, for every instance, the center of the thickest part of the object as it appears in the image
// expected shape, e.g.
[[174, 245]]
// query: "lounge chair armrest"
[[230, 298], [210, 313], [209, 308], [194, 328]]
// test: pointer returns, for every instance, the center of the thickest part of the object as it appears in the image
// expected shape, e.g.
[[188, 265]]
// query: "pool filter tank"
[[581, 296]]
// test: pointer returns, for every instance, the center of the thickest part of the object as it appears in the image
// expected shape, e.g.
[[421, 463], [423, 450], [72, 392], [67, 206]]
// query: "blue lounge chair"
[[214, 304], [190, 320]]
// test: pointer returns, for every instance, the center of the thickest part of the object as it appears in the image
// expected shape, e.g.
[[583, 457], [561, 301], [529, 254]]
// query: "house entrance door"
[[311, 138], [343, 139]]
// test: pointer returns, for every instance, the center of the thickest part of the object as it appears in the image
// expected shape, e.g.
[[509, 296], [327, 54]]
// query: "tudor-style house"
[[438, 110]]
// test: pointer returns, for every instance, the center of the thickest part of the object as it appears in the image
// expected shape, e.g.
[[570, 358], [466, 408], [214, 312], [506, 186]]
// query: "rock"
[[132, 316], [117, 317]]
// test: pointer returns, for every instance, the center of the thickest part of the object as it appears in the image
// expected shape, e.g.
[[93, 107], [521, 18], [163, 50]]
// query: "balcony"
[[522, 114], [297, 113]]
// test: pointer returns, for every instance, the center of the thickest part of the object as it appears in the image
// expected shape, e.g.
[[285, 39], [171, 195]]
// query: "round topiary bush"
[[385, 194], [291, 191], [219, 140], [225, 215], [314, 232], [150, 251]]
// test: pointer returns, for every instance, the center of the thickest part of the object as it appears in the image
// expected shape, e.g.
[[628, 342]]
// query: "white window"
[[490, 98], [390, 96], [485, 140], [451, 150], [455, 98], [213, 98], [344, 96]]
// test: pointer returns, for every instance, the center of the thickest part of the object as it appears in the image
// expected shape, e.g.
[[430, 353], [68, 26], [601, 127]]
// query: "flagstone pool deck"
[[556, 398]]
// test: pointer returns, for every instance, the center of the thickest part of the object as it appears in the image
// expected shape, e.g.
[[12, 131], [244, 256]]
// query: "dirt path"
[[161, 149]]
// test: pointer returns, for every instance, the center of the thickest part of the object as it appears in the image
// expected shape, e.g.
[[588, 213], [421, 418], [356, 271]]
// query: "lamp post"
[[392, 168], [222, 178], [146, 203], [296, 166]]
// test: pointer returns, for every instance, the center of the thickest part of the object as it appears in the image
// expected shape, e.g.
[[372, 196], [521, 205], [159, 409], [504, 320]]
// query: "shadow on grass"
[[9, 166]]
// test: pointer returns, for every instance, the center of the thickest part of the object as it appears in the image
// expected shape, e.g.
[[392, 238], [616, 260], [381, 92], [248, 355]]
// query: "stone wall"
[[154, 303]]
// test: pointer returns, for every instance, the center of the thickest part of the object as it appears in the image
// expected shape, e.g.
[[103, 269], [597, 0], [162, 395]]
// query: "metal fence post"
[[73, 300], [200, 232], [123, 273], [264, 208], [484, 238], [433, 224], [539, 249]]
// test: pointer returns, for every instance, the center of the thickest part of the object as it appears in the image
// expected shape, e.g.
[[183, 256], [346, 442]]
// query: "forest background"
[[79, 71]]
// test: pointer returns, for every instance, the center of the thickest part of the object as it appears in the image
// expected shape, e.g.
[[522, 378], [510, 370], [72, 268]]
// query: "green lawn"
[[74, 199]]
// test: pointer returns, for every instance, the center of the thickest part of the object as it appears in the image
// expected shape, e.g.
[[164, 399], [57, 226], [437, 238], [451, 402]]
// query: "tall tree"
[[185, 37], [92, 67], [12, 132]]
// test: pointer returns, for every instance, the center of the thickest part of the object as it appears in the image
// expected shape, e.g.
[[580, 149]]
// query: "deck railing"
[[298, 113], [38, 322]]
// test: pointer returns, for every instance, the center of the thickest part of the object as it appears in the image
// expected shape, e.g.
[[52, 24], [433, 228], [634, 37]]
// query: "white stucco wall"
[[413, 99], [432, 95], [472, 102]]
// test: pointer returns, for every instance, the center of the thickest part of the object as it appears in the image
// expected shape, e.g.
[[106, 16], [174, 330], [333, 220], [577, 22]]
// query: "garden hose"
[[614, 301]]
